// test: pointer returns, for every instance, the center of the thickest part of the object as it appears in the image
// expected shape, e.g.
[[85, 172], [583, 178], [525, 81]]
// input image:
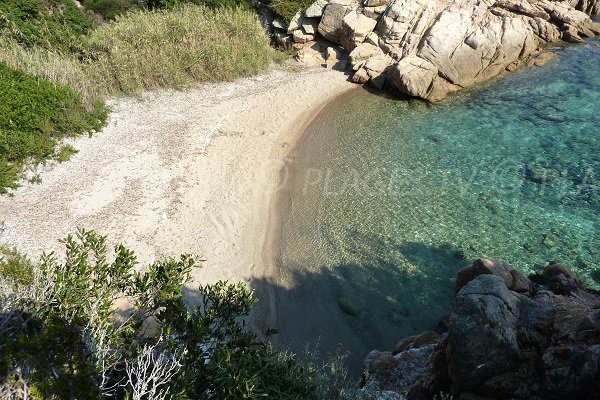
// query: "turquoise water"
[[389, 198]]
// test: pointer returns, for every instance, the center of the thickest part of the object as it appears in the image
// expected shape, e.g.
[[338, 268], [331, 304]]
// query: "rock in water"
[[509, 337]]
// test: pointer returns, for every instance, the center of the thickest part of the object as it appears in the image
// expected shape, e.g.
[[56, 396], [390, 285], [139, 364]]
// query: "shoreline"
[[195, 171], [265, 315]]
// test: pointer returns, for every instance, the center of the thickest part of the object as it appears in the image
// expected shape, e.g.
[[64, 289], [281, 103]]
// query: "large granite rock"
[[440, 46], [509, 337]]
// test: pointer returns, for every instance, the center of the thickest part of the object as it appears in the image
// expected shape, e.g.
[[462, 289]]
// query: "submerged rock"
[[348, 306], [508, 337]]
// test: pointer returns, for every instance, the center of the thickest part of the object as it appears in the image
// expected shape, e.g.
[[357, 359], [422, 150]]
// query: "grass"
[[52, 24], [153, 49], [147, 50], [288, 8], [65, 152], [60, 89], [110, 9], [14, 266]]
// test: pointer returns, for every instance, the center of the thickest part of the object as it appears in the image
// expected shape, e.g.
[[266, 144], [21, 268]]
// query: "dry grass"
[[146, 50]]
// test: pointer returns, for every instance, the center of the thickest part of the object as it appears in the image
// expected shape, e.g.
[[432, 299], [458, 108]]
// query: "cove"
[[386, 199]]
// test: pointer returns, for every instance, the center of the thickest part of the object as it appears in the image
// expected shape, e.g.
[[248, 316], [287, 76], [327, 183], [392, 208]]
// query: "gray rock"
[[295, 22], [315, 10], [543, 343], [300, 37], [358, 27], [418, 77], [310, 25], [331, 26], [279, 24], [442, 46]]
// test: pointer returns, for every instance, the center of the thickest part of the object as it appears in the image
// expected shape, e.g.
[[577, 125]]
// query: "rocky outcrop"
[[508, 337], [436, 47]]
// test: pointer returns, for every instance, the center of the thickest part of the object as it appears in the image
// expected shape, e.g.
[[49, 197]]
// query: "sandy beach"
[[176, 172]]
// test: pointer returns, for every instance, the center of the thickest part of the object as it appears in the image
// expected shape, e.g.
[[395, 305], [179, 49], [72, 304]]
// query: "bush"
[[175, 48], [174, 4], [61, 336], [34, 115], [52, 24], [15, 267], [148, 50], [288, 8], [110, 9]]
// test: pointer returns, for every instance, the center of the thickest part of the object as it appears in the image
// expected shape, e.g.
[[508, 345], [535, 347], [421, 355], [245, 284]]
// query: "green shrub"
[[61, 336], [146, 50], [173, 4], [288, 8], [175, 48], [53, 24], [14, 266], [109, 9], [65, 152], [34, 115]]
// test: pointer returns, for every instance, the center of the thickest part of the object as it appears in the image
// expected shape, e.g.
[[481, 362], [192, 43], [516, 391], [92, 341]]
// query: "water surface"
[[389, 198]]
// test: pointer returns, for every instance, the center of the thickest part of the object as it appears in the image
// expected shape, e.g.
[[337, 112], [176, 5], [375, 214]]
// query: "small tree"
[[64, 337]]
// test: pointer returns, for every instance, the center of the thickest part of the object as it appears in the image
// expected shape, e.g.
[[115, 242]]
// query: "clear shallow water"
[[389, 198]]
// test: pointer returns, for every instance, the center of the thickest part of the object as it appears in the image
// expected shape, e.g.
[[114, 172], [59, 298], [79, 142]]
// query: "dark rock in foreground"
[[509, 337]]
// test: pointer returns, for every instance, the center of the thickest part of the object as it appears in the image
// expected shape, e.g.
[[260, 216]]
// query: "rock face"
[[509, 337], [436, 47]]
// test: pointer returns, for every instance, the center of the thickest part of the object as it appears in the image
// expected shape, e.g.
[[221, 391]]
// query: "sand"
[[176, 172]]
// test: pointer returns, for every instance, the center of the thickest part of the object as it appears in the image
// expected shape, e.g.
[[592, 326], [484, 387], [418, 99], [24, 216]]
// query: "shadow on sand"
[[361, 306]]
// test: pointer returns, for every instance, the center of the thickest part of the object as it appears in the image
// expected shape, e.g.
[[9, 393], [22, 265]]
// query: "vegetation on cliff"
[[58, 65], [91, 324]]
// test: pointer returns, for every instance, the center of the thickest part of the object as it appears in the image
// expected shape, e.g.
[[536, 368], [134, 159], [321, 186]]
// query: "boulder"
[[300, 37], [541, 59], [418, 77], [331, 26], [362, 53], [295, 22], [310, 25], [358, 27], [360, 76], [442, 46], [315, 10], [374, 12], [279, 24], [540, 342], [482, 336], [512, 278], [378, 362], [375, 3]]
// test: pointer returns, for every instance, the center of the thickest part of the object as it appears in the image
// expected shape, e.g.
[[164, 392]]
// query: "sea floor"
[[388, 198]]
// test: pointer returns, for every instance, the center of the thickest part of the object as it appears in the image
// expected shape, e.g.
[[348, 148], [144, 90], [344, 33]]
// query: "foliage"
[[288, 8], [110, 9], [175, 48], [146, 50], [34, 114], [173, 4], [63, 335], [15, 267], [52, 24], [65, 152]]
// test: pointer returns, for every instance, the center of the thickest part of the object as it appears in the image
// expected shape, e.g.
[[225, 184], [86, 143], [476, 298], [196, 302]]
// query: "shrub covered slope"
[[67, 65], [93, 326]]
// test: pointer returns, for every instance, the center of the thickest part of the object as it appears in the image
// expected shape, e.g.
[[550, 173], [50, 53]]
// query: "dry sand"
[[178, 172]]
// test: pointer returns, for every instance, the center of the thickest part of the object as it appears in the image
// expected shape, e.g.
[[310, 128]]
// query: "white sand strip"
[[178, 172]]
